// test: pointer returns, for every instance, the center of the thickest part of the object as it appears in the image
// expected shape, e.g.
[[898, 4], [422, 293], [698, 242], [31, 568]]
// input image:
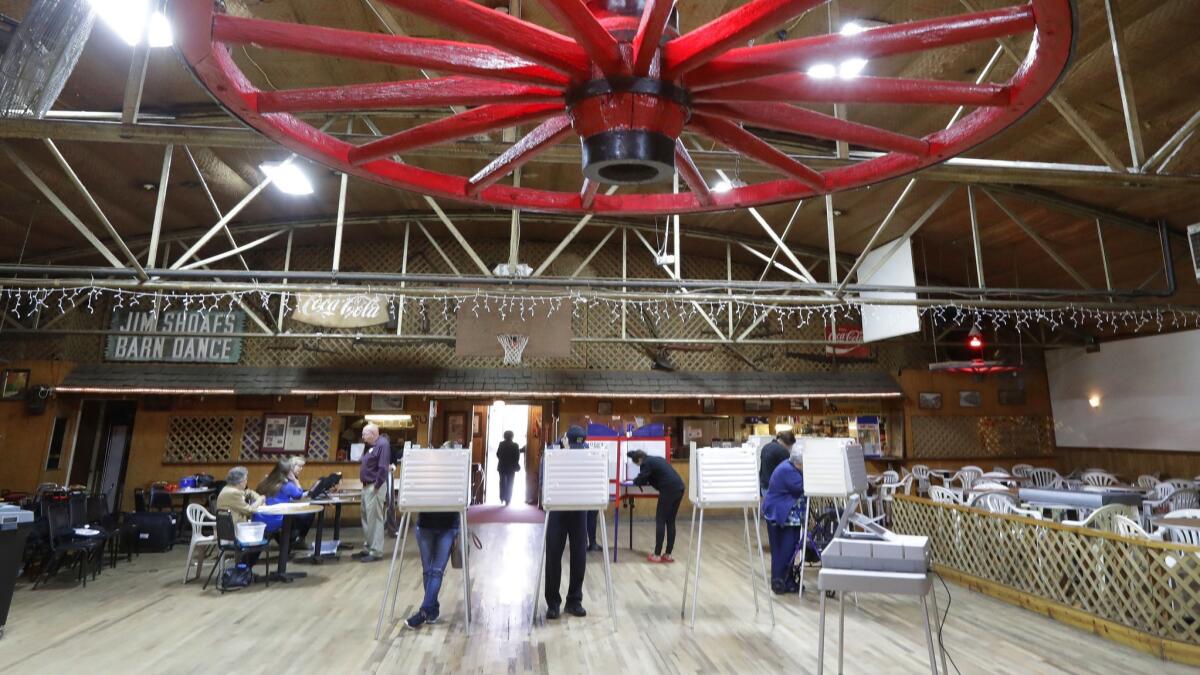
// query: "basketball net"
[[514, 346]]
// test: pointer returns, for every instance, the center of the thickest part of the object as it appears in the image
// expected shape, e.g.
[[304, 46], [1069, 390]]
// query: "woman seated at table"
[[239, 502], [280, 486], [784, 511], [436, 533]]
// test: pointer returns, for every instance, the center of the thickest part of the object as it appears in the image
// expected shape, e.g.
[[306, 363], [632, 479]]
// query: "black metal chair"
[[229, 546], [100, 518], [65, 545]]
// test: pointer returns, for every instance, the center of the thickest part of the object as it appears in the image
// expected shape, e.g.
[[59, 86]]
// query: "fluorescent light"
[[388, 419], [288, 178], [851, 28], [851, 68], [498, 403], [722, 186], [822, 71], [780, 428], [127, 18], [1094, 400]]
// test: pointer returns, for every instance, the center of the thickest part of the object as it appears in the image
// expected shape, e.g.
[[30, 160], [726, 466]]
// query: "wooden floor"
[[139, 618]]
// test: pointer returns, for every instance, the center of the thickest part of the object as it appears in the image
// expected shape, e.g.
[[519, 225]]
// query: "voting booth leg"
[[464, 534], [821, 637], [537, 581], [750, 558], [393, 573], [928, 634], [699, 546], [612, 601], [804, 542], [687, 568], [841, 628], [762, 562], [403, 539]]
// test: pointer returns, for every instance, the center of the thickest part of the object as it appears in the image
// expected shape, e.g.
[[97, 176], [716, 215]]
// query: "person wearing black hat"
[[564, 525], [658, 473]]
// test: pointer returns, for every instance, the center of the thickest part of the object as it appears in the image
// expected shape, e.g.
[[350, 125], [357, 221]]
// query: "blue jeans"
[[435, 547], [784, 540]]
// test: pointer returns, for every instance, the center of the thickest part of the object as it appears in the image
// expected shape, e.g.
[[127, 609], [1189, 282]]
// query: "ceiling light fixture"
[[127, 18], [287, 177], [1094, 400], [822, 71]]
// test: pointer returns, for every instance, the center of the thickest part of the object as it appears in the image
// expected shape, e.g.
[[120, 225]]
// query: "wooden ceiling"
[[1164, 59]]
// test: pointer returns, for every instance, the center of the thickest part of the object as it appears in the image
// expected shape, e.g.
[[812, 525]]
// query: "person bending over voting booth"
[[564, 525], [783, 510], [658, 473]]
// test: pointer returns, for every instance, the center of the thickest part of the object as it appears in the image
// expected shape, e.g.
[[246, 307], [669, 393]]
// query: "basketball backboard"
[[549, 330]]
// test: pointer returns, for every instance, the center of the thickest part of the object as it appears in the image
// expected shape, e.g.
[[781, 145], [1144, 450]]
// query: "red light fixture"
[[975, 339]]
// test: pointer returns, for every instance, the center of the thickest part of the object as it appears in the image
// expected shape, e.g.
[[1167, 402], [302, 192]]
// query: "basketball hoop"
[[514, 346]]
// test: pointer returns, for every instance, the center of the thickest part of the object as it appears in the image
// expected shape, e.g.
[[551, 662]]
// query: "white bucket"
[[250, 533]]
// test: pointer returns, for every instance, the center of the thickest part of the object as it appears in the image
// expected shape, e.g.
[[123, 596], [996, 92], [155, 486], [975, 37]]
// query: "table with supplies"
[[337, 500], [289, 511]]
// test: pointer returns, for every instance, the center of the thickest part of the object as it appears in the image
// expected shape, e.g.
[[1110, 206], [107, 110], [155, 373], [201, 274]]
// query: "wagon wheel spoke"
[[587, 193], [738, 27], [747, 63], [508, 33], [783, 117], [690, 174], [545, 136], [462, 125], [650, 32], [442, 55], [802, 88], [438, 91], [741, 141], [581, 24]]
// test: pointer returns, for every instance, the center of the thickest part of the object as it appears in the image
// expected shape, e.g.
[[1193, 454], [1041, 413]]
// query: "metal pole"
[[1176, 139], [1116, 33], [612, 600], [687, 569], [750, 558], [1040, 241], [537, 580], [136, 81], [464, 533], [287, 265], [699, 548], [887, 220], [729, 278], [594, 251], [403, 270], [1103, 255], [762, 561], [514, 230], [437, 247], [232, 252], [831, 237], [387, 590], [160, 205], [341, 219], [562, 245], [624, 276], [975, 238]]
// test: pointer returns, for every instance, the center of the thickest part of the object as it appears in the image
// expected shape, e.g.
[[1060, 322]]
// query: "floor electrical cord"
[[942, 622]]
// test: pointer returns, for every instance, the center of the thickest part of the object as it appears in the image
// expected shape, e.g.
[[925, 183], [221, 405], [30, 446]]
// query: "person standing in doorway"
[[773, 454], [373, 471], [658, 473], [561, 526], [508, 456]]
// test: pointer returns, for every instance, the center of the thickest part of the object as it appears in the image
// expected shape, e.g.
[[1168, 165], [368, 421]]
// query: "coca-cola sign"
[[334, 310], [847, 333]]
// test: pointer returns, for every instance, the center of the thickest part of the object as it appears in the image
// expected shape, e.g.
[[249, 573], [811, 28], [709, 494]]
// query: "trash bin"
[[15, 525]]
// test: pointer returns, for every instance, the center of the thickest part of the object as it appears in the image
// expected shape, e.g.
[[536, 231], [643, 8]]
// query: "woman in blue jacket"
[[280, 486], [784, 512]]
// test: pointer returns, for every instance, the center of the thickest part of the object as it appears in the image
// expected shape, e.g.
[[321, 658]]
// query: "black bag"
[[820, 532], [238, 576], [151, 531]]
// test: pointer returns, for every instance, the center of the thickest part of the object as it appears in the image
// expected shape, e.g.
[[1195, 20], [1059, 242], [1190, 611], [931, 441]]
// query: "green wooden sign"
[[203, 336]]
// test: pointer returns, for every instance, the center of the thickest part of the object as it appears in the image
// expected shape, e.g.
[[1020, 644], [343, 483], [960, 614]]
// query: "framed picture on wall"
[[604, 407], [16, 381], [1011, 396], [658, 406], [477, 425], [708, 406], [757, 405], [929, 400], [456, 427], [285, 432], [969, 399], [797, 404], [387, 403]]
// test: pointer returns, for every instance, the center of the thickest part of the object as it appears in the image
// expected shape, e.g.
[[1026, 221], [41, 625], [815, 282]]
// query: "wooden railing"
[[1142, 593]]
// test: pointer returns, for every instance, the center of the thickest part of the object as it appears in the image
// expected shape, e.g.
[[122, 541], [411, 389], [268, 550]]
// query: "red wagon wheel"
[[627, 85]]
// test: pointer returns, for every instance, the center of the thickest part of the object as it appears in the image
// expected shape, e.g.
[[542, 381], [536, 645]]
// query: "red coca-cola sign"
[[850, 333]]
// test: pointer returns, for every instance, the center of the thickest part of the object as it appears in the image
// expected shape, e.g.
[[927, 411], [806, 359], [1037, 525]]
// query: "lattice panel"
[[993, 436], [1149, 586], [320, 439], [252, 429], [200, 440]]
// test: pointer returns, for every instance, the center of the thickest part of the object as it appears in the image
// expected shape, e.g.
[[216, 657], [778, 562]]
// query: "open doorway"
[[506, 417]]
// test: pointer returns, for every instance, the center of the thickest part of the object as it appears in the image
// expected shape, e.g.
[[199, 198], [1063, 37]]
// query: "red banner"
[[847, 333]]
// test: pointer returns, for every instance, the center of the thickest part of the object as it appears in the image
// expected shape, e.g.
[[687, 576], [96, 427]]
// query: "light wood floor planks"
[[138, 618]]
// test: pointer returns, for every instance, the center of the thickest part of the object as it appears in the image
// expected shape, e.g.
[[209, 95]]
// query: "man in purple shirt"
[[376, 463]]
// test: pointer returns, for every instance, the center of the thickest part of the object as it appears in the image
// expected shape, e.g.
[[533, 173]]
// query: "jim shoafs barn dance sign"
[[203, 336]]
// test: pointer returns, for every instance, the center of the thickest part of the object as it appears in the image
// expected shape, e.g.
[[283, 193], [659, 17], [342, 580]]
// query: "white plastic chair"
[[1102, 518], [1002, 502], [887, 494], [890, 477], [1181, 483], [1022, 470], [200, 519], [1128, 527], [1184, 535], [1043, 477], [1147, 481], [922, 473], [1100, 479], [943, 495], [1169, 498]]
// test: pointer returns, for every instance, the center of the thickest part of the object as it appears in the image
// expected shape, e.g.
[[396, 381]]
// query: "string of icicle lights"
[[22, 303]]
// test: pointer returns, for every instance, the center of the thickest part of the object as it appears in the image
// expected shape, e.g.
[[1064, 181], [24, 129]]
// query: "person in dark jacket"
[[561, 526], [773, 454], [658, 473], [784, 513], [508, 456]]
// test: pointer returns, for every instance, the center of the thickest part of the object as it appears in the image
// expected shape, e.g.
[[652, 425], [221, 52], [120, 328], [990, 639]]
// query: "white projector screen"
[[1148, 391], [881, 322]]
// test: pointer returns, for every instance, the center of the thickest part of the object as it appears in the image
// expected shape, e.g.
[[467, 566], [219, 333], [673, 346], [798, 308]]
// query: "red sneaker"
[[654, 558], [666, 559]]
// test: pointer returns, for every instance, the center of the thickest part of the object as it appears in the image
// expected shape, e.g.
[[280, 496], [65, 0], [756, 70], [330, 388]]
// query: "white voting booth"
[[725, 478], [431, 480], [833, 467], [575, 479]]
